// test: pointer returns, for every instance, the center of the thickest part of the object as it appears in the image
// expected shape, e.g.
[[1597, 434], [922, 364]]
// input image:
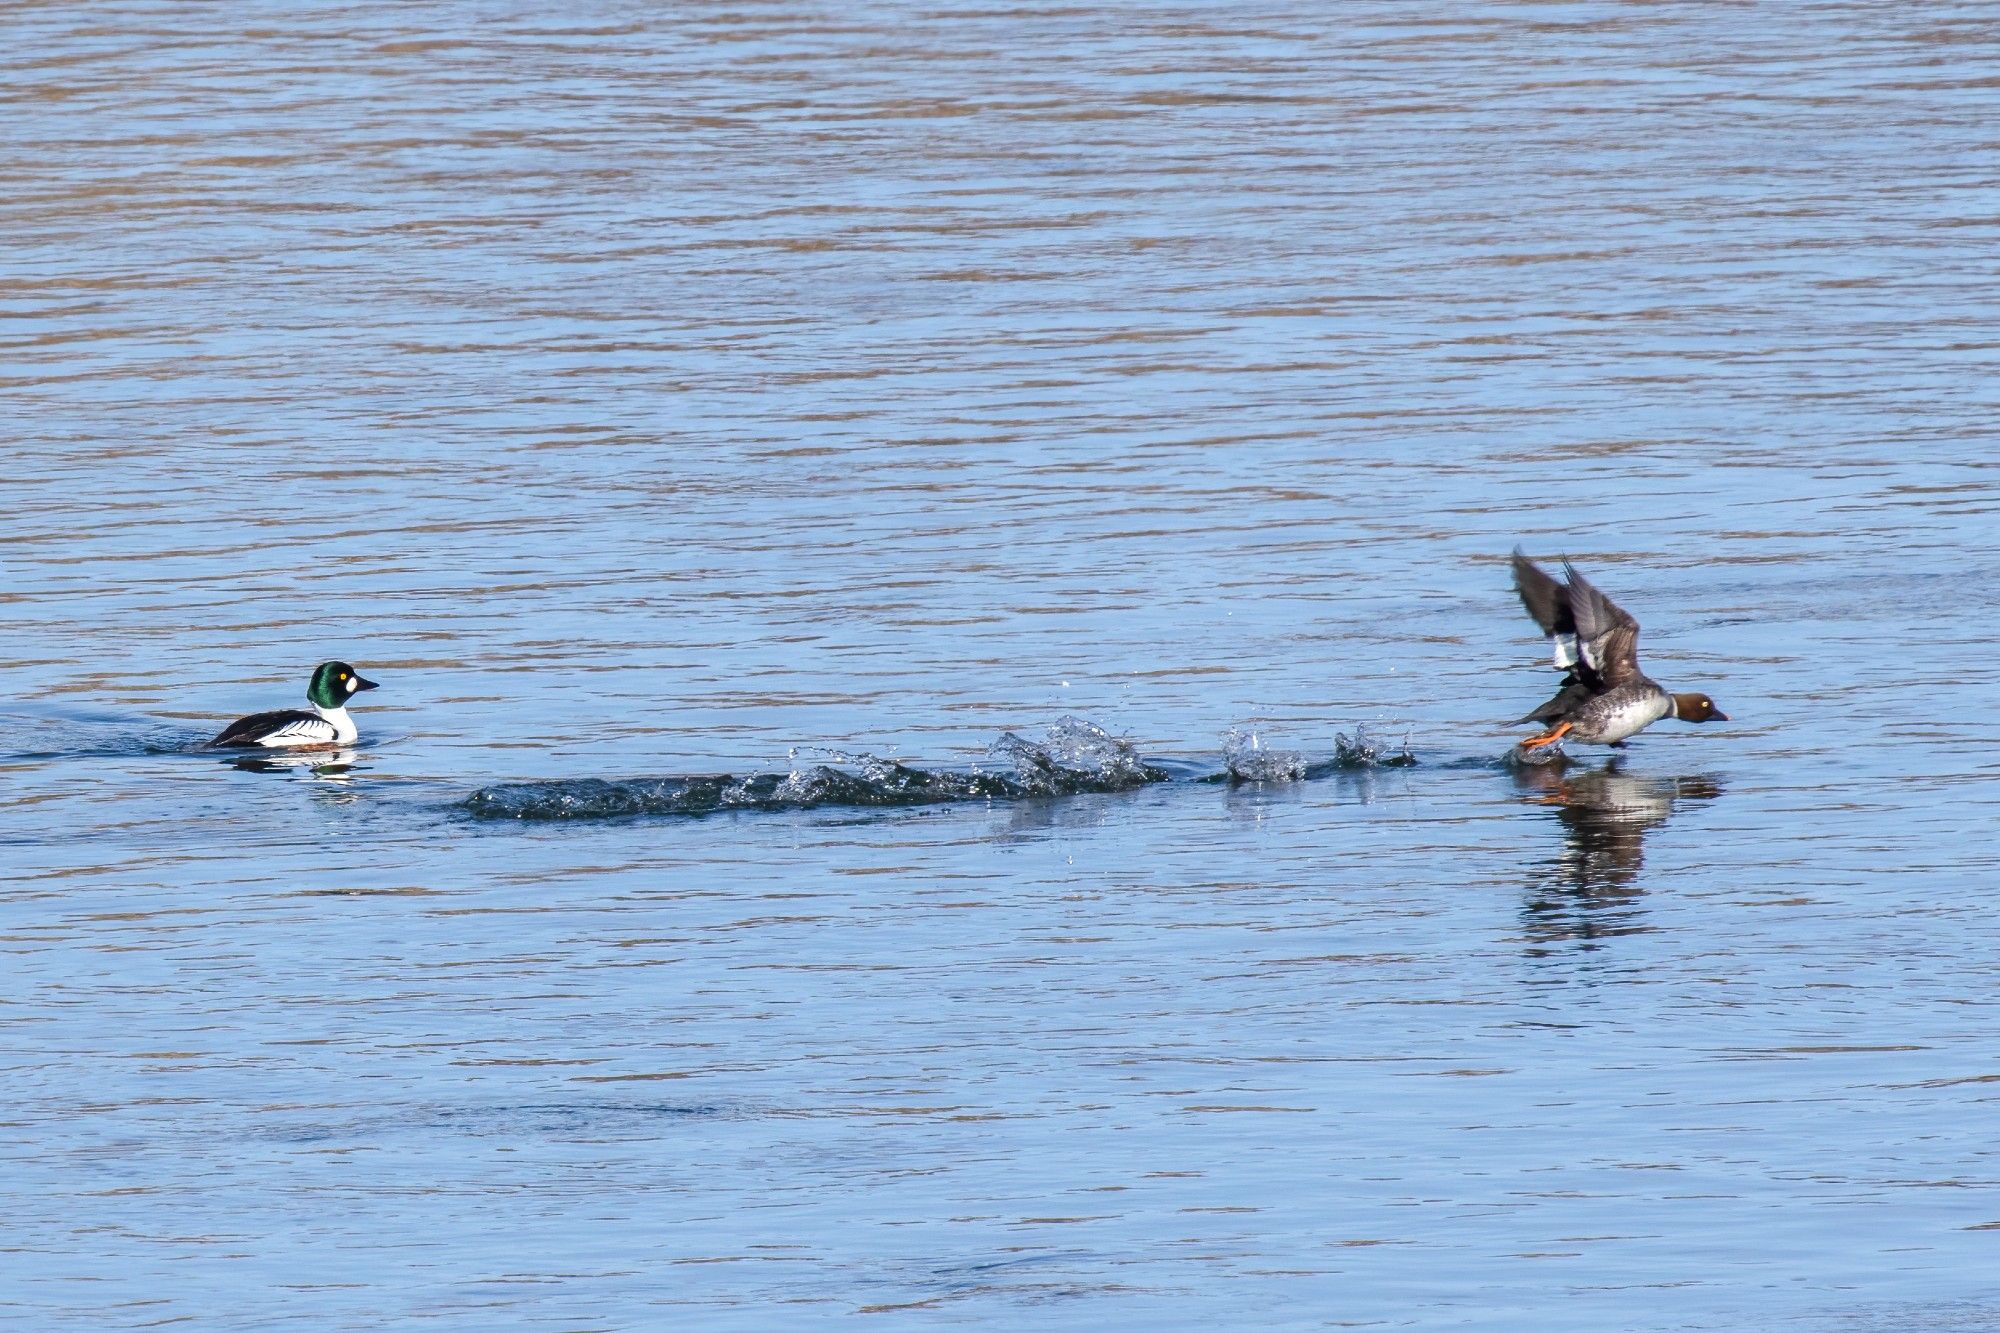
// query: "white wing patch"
[[303, 731], [1565, 650]]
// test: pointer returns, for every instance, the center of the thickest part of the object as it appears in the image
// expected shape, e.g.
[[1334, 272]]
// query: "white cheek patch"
[[352, 685]]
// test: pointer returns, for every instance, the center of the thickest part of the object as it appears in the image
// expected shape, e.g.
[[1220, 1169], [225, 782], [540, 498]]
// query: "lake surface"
[[652, 392]]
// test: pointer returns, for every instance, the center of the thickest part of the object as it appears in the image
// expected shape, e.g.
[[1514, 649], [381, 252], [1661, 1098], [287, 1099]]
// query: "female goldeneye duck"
[[1605, 697], [333, 684]]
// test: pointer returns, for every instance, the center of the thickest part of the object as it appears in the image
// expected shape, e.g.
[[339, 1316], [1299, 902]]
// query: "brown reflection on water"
[[1591, 889]]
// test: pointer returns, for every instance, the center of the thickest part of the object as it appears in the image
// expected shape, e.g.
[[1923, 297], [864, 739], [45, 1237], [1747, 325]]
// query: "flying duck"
[[1605, 697]]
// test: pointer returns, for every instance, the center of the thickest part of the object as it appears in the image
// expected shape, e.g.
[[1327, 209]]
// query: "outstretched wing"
[[1547, 600], [284, 725], [1607, 637]]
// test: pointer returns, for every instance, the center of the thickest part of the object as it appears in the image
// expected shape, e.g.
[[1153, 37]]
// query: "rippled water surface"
[[818, 396]]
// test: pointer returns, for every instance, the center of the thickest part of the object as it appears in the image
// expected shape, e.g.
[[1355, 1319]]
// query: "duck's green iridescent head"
[[334, 683]]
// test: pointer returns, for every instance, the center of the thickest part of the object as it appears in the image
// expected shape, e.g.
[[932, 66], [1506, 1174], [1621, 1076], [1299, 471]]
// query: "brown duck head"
[[1697, 708]]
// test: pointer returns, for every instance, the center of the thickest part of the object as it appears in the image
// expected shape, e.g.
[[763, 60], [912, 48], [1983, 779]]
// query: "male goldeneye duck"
[[1605, 697], [326, 723]]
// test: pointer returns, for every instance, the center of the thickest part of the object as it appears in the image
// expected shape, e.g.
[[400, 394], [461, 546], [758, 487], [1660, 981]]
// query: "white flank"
[[332, 727], [1635, 717]]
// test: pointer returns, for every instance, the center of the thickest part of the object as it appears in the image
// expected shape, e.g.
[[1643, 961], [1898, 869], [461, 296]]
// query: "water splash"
[[1542, 756], [1362, 750], [1247, 759], [1077, 757]]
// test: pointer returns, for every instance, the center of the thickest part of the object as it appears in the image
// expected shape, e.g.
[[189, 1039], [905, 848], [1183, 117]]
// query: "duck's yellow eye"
[[343, 675]]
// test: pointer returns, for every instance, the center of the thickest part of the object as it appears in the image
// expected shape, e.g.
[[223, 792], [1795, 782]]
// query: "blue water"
[[647, 395]]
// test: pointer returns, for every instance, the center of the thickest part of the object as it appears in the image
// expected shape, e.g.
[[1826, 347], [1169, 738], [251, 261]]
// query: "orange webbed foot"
[[1549, 737]]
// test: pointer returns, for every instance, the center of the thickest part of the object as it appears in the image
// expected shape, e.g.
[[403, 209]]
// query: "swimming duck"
[[327, 723], [1605, 697]]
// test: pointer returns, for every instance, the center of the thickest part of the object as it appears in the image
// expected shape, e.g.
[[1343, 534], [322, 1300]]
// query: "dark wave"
[[1077, 757]]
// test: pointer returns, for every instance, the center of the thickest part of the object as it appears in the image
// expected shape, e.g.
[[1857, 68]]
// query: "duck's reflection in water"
[[1591, 890], [317, 761]]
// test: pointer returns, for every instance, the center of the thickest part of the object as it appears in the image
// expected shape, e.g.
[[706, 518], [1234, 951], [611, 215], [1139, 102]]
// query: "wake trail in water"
[[1077, 757], [51, 733]]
